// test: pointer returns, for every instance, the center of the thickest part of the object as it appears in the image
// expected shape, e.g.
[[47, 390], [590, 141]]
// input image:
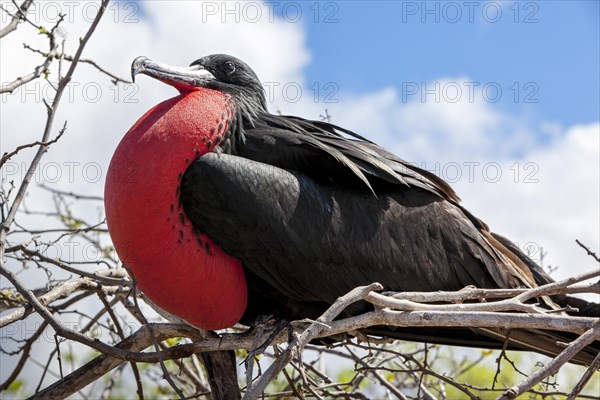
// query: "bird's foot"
[[262, 324]]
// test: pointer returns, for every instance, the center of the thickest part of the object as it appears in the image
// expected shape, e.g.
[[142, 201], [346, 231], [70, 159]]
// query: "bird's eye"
[[229, 67]]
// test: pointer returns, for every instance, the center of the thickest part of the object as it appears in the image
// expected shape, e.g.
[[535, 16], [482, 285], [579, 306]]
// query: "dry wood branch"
[[565, 286], [7, 222], [324, 326], [96, 368], [66, 57], [117, 324], [407, 305], [484, 319], [58, 327], [320, 328], [105, 277], [555, 287], [155, 341], [24, 357], [585, 378], [553, 366], [380, 317], [309, 333], [76, 196], [115, 79], [65, 289], [17, 18], [7, 155], [22, 80], [588, 251], [50, 56]]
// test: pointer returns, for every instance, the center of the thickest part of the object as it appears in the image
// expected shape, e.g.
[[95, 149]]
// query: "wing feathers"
[[360, 156]]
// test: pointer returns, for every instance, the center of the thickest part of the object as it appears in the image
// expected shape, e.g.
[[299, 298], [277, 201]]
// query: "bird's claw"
[[275, 326]]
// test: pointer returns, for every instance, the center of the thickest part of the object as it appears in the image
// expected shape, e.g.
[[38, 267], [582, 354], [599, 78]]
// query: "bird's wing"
[[305, 145], [304, 243], [315, 241], [323, 152]]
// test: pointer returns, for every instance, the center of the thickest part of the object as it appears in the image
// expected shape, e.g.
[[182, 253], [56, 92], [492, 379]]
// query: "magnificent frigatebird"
[[225, 212]]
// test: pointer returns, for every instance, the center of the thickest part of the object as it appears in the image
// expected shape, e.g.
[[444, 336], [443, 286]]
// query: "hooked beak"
[[182, 78]]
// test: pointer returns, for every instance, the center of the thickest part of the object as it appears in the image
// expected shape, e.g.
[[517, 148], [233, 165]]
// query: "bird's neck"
[[179, 268]]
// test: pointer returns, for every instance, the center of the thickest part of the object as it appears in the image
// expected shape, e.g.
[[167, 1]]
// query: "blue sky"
[[543, 55], [365, 46]]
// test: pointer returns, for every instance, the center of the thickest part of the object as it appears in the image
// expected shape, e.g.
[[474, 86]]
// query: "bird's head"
[[220, 72]]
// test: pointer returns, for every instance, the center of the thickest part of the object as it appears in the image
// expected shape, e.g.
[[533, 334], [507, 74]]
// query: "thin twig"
[[61, 291], [6, 156], [585, 378], [19, 17], [76, 196], [588, 251], [553, 366], [310, 333]]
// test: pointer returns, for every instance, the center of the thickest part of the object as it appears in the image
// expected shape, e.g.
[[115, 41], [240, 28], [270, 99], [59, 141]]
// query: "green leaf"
[[173, 341], [15, 386]]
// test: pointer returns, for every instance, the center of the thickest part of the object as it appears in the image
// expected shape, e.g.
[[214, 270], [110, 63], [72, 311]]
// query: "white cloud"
[[552, 201]]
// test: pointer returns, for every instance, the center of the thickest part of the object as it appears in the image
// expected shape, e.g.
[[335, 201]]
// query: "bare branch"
[[6, 156], [96, 368], [63, 290], [114, 356], [585, 378], [309, 333], [22, 80], [101, 277], [407, 305], [76, 196], [42, 68], [588, 251], [115, 79], [16, 19], [24, 356], [134, 368], [48, 128], [560, 287], [484, 319], [553, 366]]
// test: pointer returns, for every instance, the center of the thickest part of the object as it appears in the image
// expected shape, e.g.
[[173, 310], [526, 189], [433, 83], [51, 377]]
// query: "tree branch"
[[99, 366], [16, 19], [313, 330], [6, 156], [322, 327], [585, 378], [553, 366], [63, 290], [47, 129]]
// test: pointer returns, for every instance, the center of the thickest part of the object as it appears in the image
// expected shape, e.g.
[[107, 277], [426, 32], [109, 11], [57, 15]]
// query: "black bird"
[[234, 213]]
